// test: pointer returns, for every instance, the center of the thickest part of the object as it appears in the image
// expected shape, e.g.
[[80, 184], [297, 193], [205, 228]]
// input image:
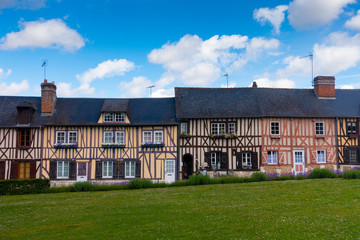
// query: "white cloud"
[[14, 88], [163, 93], [52, 33], [279, 83], [231, 85], [349, 86], [22, 4], [296, 66], [307, 14], [135, 88], [196, 62], [4, 74], [64, 89], [275, 16], [354, 22]]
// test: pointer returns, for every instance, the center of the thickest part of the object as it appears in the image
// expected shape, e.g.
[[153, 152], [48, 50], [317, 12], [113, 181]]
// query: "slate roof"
[[86, 111], [115, 105], [263, 102]]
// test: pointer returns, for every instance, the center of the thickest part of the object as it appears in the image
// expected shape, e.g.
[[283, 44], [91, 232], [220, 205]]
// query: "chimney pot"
[[324, 87]]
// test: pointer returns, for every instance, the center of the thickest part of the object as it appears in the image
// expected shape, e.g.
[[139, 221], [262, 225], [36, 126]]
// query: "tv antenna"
[[227, 79], [311, 56], [44, 63], [150, 88]]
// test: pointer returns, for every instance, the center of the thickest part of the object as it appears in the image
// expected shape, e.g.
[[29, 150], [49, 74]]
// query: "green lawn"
[[308, 209]]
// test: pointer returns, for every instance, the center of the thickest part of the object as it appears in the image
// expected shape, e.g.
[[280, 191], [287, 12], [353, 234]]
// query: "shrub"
[[27, 186], [258, 176], [199, 179], [137, 183], [180, 183], [82, 187], [322, 173], [159, 185], [351, 174]]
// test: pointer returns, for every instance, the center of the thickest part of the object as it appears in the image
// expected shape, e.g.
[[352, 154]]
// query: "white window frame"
[[321, 130], [215, 160], [62, 175], [271, 127], [352, 125], [128, 173], [317, 156], [122, 138], [119, 117], [106, 165], [57, 132], [143, 133], [215, 128], [272, 157], [155, 137], [184, 127], [112, 137], [247, 157], [68, 138], [232, 128], [108, 114]]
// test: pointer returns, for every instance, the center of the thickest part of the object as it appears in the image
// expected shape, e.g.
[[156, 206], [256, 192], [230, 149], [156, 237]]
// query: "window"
[[120, 137], [215, 160], [218, 128], [319, 128], [246, 160], [107, 168], [129, 169], [231, 128], [184, 127], [72, 137], [275, 128], [352, 155], [60, 136], [24, 115], [62, 169], [108, 137], [351, 127], [114, 117], [147, 136], [272, 157], [321, 156], [158, 135], [24, 138]]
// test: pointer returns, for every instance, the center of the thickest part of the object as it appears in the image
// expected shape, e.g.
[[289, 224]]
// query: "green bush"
[[351, 174], [259, 176], [159, 185], [27, 186], [82, 187], [180, 183], [199, 179], [322, 173], [59, 189], [226, 180], [137, 183]]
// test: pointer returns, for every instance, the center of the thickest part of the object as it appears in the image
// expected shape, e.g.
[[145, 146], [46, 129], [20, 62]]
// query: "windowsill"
[[62, 178], [24, 148], [152, 145], [107, 177], [129, 177], [275, 136], [319, 136], [353, 135], [113, 145], [273, 164], [64, 146]]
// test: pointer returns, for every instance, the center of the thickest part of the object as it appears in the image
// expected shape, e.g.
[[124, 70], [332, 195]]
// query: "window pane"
[[321, 156], [214, 128], [72, 137], [120, 137], [232, 128], [184, 127], [66, 169], [222, 128], [60, 137], [108, 137], [110, 168], [127, 169], [120, 117], [132, 169], [147, 136], [275, 128], [108, 117], [158, 137], [319, 128], [60, 167]]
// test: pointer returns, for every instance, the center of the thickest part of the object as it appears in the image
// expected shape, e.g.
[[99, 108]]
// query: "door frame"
[[168, 160], [79, 179], [303, 161]]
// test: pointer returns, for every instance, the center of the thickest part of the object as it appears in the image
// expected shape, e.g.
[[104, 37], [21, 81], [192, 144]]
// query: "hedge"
[[26, 186]]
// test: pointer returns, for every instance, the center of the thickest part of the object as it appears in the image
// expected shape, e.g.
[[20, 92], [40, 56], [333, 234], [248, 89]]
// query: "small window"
[[24, 116], [147, 136], [232, 128], [319, 128], [129, 169], [275, 128], [218, 128], [246, 160], [108, 117], [351, 128], [72, 135], [353, 156], [24, 138], [62, 169], [107, 168], [108, 137], [215, 160], [321, 156], [120, 137], [158, 136], [272, 157], [119, 117], [60, 137], [184, 127]]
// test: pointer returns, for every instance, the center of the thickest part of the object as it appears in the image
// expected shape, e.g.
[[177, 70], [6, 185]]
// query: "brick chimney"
[[48, 97], [324, 87]]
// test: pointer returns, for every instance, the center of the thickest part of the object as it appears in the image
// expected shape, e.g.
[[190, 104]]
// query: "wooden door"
[[299, 161]]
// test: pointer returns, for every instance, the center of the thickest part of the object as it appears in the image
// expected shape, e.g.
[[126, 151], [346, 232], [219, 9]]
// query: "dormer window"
[[24, 115], [114, 117]]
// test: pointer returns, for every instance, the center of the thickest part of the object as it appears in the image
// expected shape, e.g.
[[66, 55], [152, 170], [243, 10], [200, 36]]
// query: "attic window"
[[114, 117], [24, 116]]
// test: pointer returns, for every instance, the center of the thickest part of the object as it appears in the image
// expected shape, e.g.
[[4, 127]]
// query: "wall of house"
[[199, 142], [298, 134], [90, 149]]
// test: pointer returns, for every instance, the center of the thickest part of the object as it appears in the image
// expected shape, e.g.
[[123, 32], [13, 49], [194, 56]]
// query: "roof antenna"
[[227, 79], [44, 66], [150, 88], [311, 56]]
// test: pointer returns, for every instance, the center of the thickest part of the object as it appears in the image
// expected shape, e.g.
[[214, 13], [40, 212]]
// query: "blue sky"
[[118, 48]]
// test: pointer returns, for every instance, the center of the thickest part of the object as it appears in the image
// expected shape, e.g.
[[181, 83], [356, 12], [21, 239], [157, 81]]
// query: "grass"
[[308, 209]]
